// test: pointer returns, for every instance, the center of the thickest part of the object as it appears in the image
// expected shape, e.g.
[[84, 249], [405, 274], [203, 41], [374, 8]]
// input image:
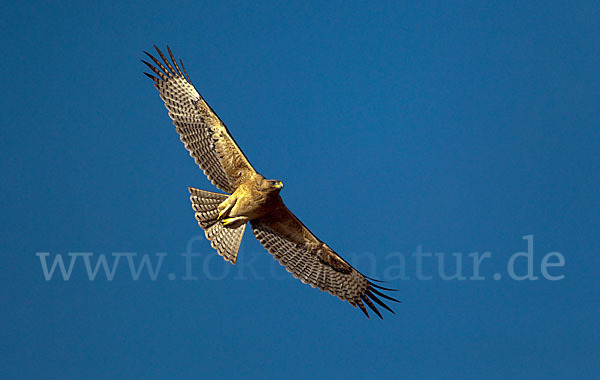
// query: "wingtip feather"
[[383, 295], [381, 303], [363, 308], [370, 304]]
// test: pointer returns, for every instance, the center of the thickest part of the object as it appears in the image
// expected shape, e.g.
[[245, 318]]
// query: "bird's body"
[[252, 198]]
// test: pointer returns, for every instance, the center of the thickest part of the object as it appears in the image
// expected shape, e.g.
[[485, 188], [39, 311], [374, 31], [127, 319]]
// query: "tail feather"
[[205, 204], [225, 240]]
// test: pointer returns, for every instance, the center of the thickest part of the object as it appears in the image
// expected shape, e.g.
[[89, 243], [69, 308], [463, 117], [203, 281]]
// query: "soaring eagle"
[[251, 197]]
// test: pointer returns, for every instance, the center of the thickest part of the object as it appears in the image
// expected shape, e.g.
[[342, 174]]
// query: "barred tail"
[[225, 240]]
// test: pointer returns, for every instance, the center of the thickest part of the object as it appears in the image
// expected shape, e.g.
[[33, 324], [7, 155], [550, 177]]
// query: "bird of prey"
[[251, 197]]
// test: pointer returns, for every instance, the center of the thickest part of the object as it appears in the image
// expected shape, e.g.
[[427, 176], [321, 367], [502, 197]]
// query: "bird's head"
[[271, 185]]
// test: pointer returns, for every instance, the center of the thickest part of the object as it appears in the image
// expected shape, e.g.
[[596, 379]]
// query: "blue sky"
[[459, 127]]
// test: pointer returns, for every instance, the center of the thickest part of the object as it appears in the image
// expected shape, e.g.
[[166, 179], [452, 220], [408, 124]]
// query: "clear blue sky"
[[456, 127]]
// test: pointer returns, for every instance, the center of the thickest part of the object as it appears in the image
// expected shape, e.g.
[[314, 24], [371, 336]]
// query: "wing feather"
[[203, 133], [313, 262]]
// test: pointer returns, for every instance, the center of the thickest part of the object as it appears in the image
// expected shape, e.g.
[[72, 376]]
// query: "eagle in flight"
[[251, 197]]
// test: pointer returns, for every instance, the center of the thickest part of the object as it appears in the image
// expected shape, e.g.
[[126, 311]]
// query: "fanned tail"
[[225, 240]]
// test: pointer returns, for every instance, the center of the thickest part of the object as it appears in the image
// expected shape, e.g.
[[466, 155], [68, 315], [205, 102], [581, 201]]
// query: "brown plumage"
[[252, 198]]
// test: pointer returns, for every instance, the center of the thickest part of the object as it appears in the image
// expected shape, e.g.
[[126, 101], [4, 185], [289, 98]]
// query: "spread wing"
[[205, 136], [313, 262]]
